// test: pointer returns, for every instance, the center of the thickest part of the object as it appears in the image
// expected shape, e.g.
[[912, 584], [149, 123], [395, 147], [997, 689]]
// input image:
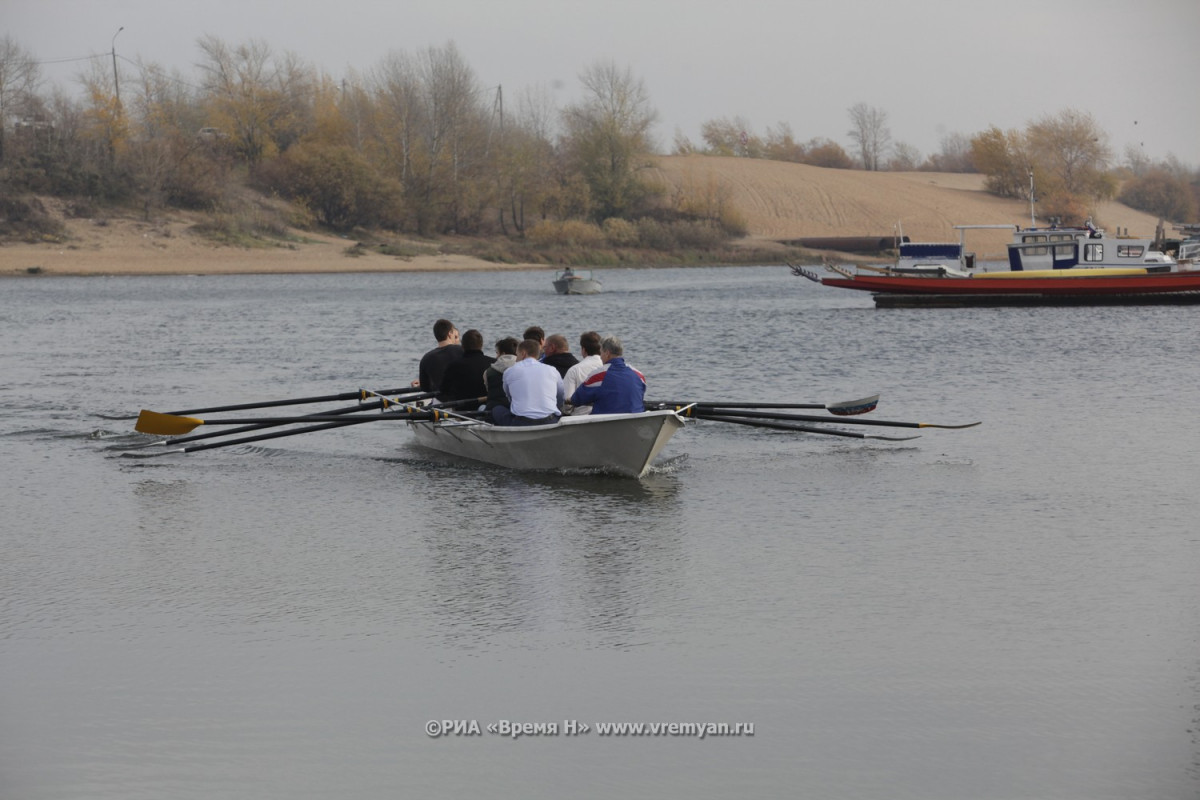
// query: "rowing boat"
[[621, 443]]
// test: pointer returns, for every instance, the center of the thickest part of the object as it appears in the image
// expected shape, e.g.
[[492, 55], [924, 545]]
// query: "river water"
[[1011, 610]]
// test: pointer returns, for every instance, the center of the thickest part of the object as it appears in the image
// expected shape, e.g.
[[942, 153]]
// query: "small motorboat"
[[569, 281]]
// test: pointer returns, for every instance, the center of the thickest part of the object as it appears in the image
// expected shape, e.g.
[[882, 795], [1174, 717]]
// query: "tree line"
[[416, 144], [419, 144], [1062, 160]]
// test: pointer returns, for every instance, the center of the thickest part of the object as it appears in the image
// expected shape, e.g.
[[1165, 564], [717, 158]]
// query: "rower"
[[615, 388]]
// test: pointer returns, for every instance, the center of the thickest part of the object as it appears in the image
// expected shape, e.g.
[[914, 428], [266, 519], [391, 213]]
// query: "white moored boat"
[[1089, 247], [622, 443]]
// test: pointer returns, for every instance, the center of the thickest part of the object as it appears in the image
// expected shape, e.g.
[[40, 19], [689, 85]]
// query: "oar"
[[260, 437], [338, 423], [844, 408], [361, 394], [257, 426], [160, 424], [698, 410], [784, 426]]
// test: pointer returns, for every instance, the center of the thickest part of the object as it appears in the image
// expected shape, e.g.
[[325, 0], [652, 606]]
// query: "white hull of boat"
[[577, 286], [621, 443]]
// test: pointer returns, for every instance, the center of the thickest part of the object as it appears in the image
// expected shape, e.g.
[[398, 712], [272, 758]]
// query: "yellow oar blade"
[[161, 424]]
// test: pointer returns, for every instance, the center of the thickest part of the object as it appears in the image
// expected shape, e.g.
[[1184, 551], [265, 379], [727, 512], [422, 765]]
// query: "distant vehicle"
[[569, 281]]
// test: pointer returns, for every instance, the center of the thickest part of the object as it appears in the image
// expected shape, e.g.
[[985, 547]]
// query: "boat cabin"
[[933, 258], [1065, 248]]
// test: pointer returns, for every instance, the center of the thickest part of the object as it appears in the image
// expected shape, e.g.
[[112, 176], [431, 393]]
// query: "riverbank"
[[169, 246], [779, 202]]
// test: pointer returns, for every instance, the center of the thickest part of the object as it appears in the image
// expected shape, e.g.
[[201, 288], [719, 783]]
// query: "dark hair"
[[442, 328], [472, 340], [590, 342], [530, 347], [507, 346], [535, 332]]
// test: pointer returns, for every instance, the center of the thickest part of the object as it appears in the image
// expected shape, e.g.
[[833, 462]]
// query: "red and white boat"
[[1047, 266]]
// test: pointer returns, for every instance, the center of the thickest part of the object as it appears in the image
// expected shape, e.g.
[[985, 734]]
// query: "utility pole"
[[116, 80]]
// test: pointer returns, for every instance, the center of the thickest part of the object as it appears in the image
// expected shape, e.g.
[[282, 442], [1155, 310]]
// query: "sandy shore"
[[778, 202], [167, 247]]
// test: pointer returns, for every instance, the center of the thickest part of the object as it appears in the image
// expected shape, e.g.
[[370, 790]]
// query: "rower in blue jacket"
[[616, 387]]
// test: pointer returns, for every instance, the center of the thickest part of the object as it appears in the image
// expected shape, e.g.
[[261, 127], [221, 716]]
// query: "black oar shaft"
[[732, 412], [296, 401], [842, 408], [266, 422], [260, 425], [307, 429], [680, 404], [785, 426], [276, 435]]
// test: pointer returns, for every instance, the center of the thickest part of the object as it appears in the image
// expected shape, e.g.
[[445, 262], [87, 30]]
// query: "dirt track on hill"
[[781, 201]]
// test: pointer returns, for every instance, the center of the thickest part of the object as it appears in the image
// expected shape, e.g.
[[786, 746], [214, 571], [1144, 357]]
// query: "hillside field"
[[782, 201]]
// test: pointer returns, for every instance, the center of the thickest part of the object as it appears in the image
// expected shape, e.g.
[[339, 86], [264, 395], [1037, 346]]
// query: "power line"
[[75, 58]]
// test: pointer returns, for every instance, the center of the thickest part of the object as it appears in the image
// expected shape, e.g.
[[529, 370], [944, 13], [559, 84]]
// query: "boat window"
[[1093, 252], [1130, 250], [1037, 238], [1064, 249]]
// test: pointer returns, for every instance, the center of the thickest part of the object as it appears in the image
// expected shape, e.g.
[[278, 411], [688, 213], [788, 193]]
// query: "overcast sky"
[[935, 66]]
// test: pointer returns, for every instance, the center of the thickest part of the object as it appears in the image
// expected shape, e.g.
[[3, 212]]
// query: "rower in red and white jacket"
[[615, 388]]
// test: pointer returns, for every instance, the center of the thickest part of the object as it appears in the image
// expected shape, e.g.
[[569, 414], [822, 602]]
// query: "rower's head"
[[611, 348], [445, 332], [589, 343], [530, 348], [472, 340], [556, 343]]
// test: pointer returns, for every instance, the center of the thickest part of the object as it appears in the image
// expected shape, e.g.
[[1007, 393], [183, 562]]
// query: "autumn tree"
[[905, 158], [870, 133], [526, 163], [19, 79], [104, 133], [1074, 154], [1161, 192], [731, 136], [336, 184], [395, 88], [1002, 157], [261, 101], [781, 145], [452, 187], [954, 156], [821, 152], [608, 138], [166, 160]]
